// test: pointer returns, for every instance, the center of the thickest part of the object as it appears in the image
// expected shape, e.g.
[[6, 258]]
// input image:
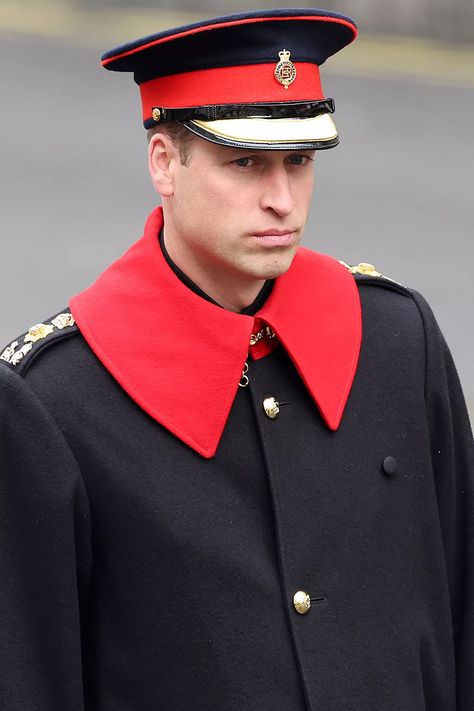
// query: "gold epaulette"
[[368, 270], [22, 346]]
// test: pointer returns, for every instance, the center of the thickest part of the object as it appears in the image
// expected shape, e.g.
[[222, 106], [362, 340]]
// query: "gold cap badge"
[[285, 70]]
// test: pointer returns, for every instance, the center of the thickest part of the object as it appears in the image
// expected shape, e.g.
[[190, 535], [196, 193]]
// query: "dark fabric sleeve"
[[44, 557], [453, 466]]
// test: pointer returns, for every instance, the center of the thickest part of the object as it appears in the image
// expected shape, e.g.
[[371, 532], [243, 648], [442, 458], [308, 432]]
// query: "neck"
[[226, 289], [233, 297]]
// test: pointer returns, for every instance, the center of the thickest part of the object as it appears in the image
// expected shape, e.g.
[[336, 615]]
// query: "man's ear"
[[161, 155]]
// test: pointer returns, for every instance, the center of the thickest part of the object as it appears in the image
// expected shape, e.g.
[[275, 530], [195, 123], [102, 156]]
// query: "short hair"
[[179, 135]]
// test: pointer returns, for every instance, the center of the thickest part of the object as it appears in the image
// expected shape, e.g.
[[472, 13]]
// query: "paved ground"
[[75, 193]]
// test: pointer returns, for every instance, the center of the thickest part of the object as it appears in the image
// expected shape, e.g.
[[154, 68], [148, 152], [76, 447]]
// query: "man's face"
[[238, 212]]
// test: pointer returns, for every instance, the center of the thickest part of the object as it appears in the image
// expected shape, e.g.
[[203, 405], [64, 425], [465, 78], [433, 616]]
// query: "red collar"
[[171, 350]]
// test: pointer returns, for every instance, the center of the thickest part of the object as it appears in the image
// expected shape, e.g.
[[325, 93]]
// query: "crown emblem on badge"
[[285, 70]]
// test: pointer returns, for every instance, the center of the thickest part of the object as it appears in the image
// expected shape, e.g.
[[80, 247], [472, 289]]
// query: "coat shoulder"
[[366, 274], [20, 353], [388, 303]]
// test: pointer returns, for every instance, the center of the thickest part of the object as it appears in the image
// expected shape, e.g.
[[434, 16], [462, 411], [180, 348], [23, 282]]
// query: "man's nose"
[[276, 192]]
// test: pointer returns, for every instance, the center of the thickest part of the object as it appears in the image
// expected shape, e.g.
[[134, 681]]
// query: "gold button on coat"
[[302, 602], [271, 407]]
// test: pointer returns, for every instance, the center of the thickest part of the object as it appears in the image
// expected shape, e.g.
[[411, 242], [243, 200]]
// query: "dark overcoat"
[[140, 574]]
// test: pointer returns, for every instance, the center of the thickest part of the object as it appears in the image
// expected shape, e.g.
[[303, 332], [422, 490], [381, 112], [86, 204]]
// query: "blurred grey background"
[[397, 192]]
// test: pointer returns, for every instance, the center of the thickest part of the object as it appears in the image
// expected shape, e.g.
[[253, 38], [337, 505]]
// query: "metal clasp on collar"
[[244, 380]]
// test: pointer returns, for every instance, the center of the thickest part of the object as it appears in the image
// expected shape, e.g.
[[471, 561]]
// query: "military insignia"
[[63, 320], [367, 270], [38, 332], [265, 332], [285, 70], [18, 356], [11, 355], [8, 352], [14, 356]]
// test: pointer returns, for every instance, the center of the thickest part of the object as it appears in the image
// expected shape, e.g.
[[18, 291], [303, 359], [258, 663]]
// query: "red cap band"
[[230, 85]]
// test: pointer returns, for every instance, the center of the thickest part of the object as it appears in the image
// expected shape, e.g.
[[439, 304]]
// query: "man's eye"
[[298, 160], [244, 162]]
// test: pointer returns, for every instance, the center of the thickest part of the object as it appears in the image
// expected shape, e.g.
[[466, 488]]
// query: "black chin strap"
[[288, 109]]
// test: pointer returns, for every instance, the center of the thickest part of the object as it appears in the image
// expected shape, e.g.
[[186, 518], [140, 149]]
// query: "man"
[[236, 474]]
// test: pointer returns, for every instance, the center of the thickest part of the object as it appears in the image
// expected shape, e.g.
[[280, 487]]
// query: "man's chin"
[[278, 267]]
